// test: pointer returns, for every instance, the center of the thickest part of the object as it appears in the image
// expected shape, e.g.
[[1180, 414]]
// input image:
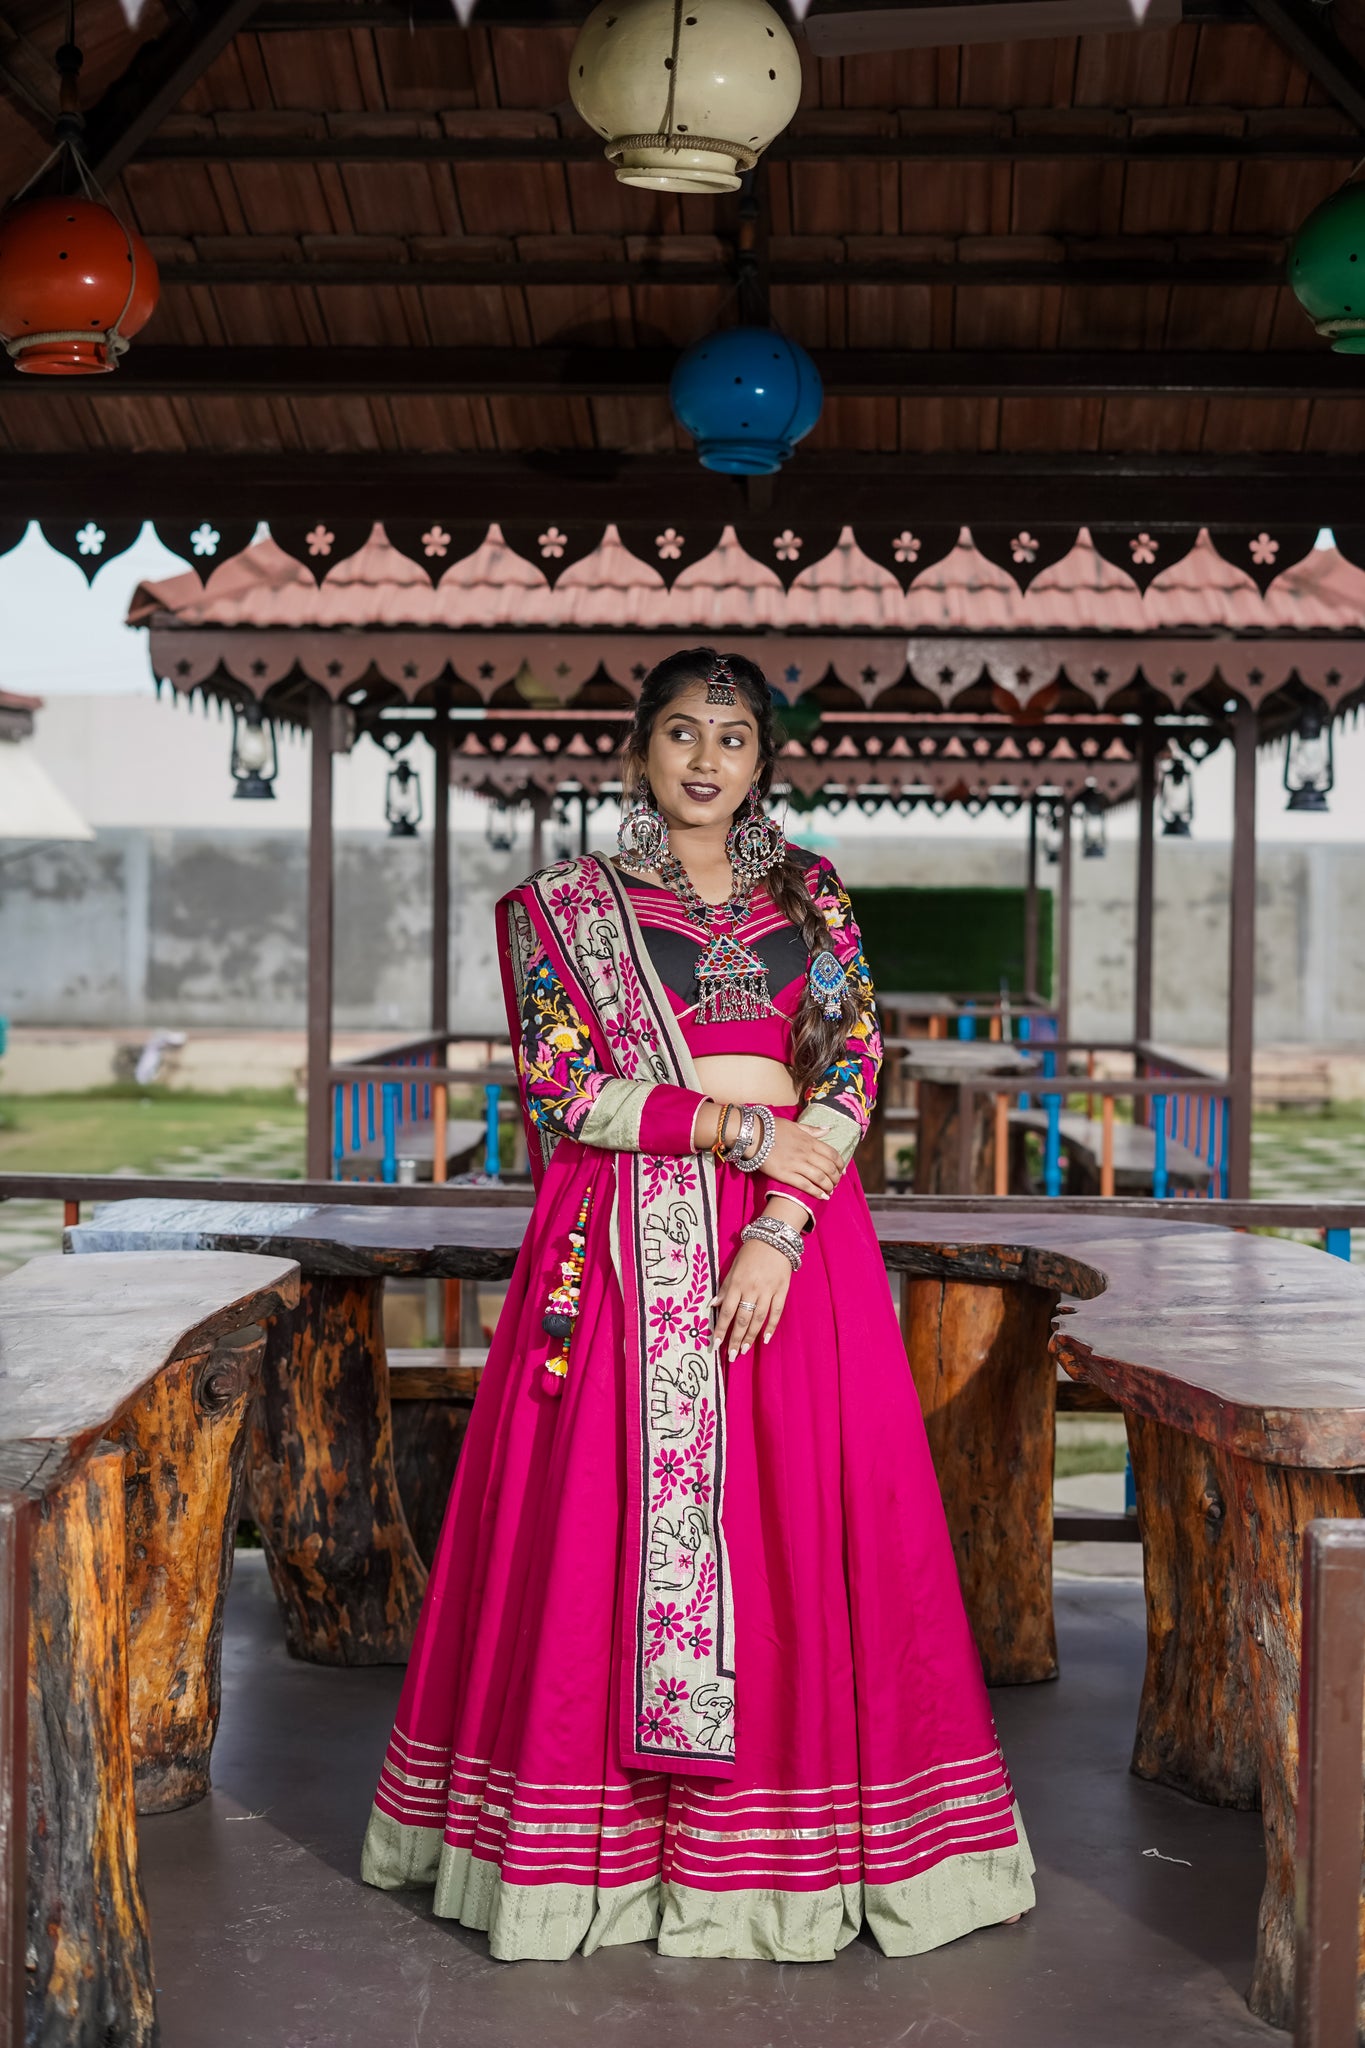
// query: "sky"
[[62, 638]]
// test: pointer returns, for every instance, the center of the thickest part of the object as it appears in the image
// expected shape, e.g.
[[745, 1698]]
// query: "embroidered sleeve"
[[566, 1091], [839, 1106]]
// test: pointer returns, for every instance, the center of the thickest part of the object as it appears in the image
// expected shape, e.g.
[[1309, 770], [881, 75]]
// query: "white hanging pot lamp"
[[686, 93]]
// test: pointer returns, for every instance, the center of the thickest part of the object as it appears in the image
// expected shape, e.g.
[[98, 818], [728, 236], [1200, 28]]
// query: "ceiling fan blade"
[[875, 29]]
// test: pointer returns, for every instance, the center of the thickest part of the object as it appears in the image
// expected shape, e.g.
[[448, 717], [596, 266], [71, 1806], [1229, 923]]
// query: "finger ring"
[[748, 1304]]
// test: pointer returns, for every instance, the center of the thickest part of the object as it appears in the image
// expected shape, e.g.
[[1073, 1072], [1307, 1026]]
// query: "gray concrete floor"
[[265, 1938]]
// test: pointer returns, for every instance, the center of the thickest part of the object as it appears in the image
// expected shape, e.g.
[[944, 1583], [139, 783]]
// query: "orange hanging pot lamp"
[[76, 282]]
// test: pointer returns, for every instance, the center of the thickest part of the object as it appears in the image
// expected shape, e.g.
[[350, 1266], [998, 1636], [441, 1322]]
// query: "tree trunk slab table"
[[124, 1389], [1195, 1331], [321, 1482], [939, 1067], [1240, 1365]]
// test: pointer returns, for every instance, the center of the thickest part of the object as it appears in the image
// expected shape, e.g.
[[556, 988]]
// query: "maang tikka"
[[720, 684]]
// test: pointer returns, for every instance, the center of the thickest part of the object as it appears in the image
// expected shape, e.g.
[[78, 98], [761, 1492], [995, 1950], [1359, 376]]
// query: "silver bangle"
[[772, 1230], [765, 1143], [734, 1152]]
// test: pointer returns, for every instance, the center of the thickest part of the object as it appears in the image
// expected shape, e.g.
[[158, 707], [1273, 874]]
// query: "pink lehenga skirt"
[[868, 1779]]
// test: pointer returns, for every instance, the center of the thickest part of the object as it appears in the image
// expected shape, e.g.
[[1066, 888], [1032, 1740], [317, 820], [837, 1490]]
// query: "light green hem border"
[[550, 1922]]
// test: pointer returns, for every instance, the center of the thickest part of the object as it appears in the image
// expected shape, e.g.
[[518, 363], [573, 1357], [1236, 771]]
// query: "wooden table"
[[124, 1389], [321, 1480], [1238, 1360], [939, 1067]]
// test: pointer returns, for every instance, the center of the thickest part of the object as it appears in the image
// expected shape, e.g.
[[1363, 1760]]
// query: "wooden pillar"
[[1242, 952], [1146, 883], [320, 923], [15, 1515], [1196, 1723], [89, 1973], [185, 1439], [988, 1387], [540, 811], [440, 867], [1269, 1507], [322, 1487], [1063, 936], [1031, 904]]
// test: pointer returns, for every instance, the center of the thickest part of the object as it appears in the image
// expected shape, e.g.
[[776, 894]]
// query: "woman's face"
[[702, 758]]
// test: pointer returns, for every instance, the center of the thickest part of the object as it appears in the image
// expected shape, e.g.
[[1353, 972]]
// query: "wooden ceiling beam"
[[1068, 139], [1305, 30], [1059, 490], [1259, 263], [155, 82], [303, 373], [293, 16]]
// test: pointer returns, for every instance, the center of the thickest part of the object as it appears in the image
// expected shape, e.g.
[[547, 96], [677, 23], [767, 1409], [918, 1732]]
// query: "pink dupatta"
[[677, 1624]]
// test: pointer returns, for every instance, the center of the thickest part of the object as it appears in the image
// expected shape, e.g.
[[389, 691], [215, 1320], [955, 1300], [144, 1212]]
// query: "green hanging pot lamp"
[[1327, 269]]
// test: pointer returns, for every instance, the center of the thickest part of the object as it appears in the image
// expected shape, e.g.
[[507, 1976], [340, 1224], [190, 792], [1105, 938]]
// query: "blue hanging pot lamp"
[[746, 396]]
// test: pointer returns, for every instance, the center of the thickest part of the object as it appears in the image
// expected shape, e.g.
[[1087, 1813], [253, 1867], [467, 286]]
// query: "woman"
[[693, 1661]]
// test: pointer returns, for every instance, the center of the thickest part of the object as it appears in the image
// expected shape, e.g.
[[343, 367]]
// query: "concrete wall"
[[189, 929]]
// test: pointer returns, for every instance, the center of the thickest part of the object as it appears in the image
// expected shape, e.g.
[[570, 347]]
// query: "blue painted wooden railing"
[[373, 1114]]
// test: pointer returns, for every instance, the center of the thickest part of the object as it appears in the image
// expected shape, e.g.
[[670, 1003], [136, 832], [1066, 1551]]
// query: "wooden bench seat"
[[125, 1383], [1134, 1154], [465, 1140], [1305, 1085], [431, 1393]]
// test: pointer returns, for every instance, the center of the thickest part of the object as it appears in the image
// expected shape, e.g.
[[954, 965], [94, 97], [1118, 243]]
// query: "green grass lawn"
[[1074, 1459], [152, 1130]]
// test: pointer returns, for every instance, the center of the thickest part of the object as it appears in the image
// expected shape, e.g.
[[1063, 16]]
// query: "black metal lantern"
[[1175, 798], [402, 800], [500, 827], [255, 758], [1308, 772], [1094, 837], [1052, 834]]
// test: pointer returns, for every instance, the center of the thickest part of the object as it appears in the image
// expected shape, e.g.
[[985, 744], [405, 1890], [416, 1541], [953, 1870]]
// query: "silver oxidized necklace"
[[732, 980]]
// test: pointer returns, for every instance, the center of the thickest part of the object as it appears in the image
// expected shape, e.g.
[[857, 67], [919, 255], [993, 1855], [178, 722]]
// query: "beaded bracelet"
[[772, 1230]]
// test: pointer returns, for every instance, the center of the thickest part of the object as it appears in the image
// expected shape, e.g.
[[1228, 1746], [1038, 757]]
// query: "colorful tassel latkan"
[[561, 1310]]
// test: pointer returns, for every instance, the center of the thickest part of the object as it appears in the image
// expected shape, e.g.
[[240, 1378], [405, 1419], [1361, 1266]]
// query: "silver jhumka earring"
[[755, 842], [642, 835]]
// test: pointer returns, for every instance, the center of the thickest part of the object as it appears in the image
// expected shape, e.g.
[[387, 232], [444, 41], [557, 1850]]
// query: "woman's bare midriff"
[[743, 1077]]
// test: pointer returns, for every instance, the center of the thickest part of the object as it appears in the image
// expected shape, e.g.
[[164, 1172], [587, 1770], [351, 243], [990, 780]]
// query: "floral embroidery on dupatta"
[[679, 1656]]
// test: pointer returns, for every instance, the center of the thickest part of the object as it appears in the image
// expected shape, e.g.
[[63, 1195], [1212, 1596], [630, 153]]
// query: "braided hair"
[[817, 1040]]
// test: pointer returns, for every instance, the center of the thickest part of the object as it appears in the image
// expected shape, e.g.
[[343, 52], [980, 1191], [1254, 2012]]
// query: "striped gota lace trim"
[[676, 1828]]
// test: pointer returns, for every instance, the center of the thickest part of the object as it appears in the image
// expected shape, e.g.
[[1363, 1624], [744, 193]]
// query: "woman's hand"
[[801, 1160], [752, 1296]]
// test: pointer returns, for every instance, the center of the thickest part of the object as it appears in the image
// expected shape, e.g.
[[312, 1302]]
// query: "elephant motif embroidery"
[[596, 957], [716, 1707], [673, 1548], [668, 1241], [673, 1393]]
